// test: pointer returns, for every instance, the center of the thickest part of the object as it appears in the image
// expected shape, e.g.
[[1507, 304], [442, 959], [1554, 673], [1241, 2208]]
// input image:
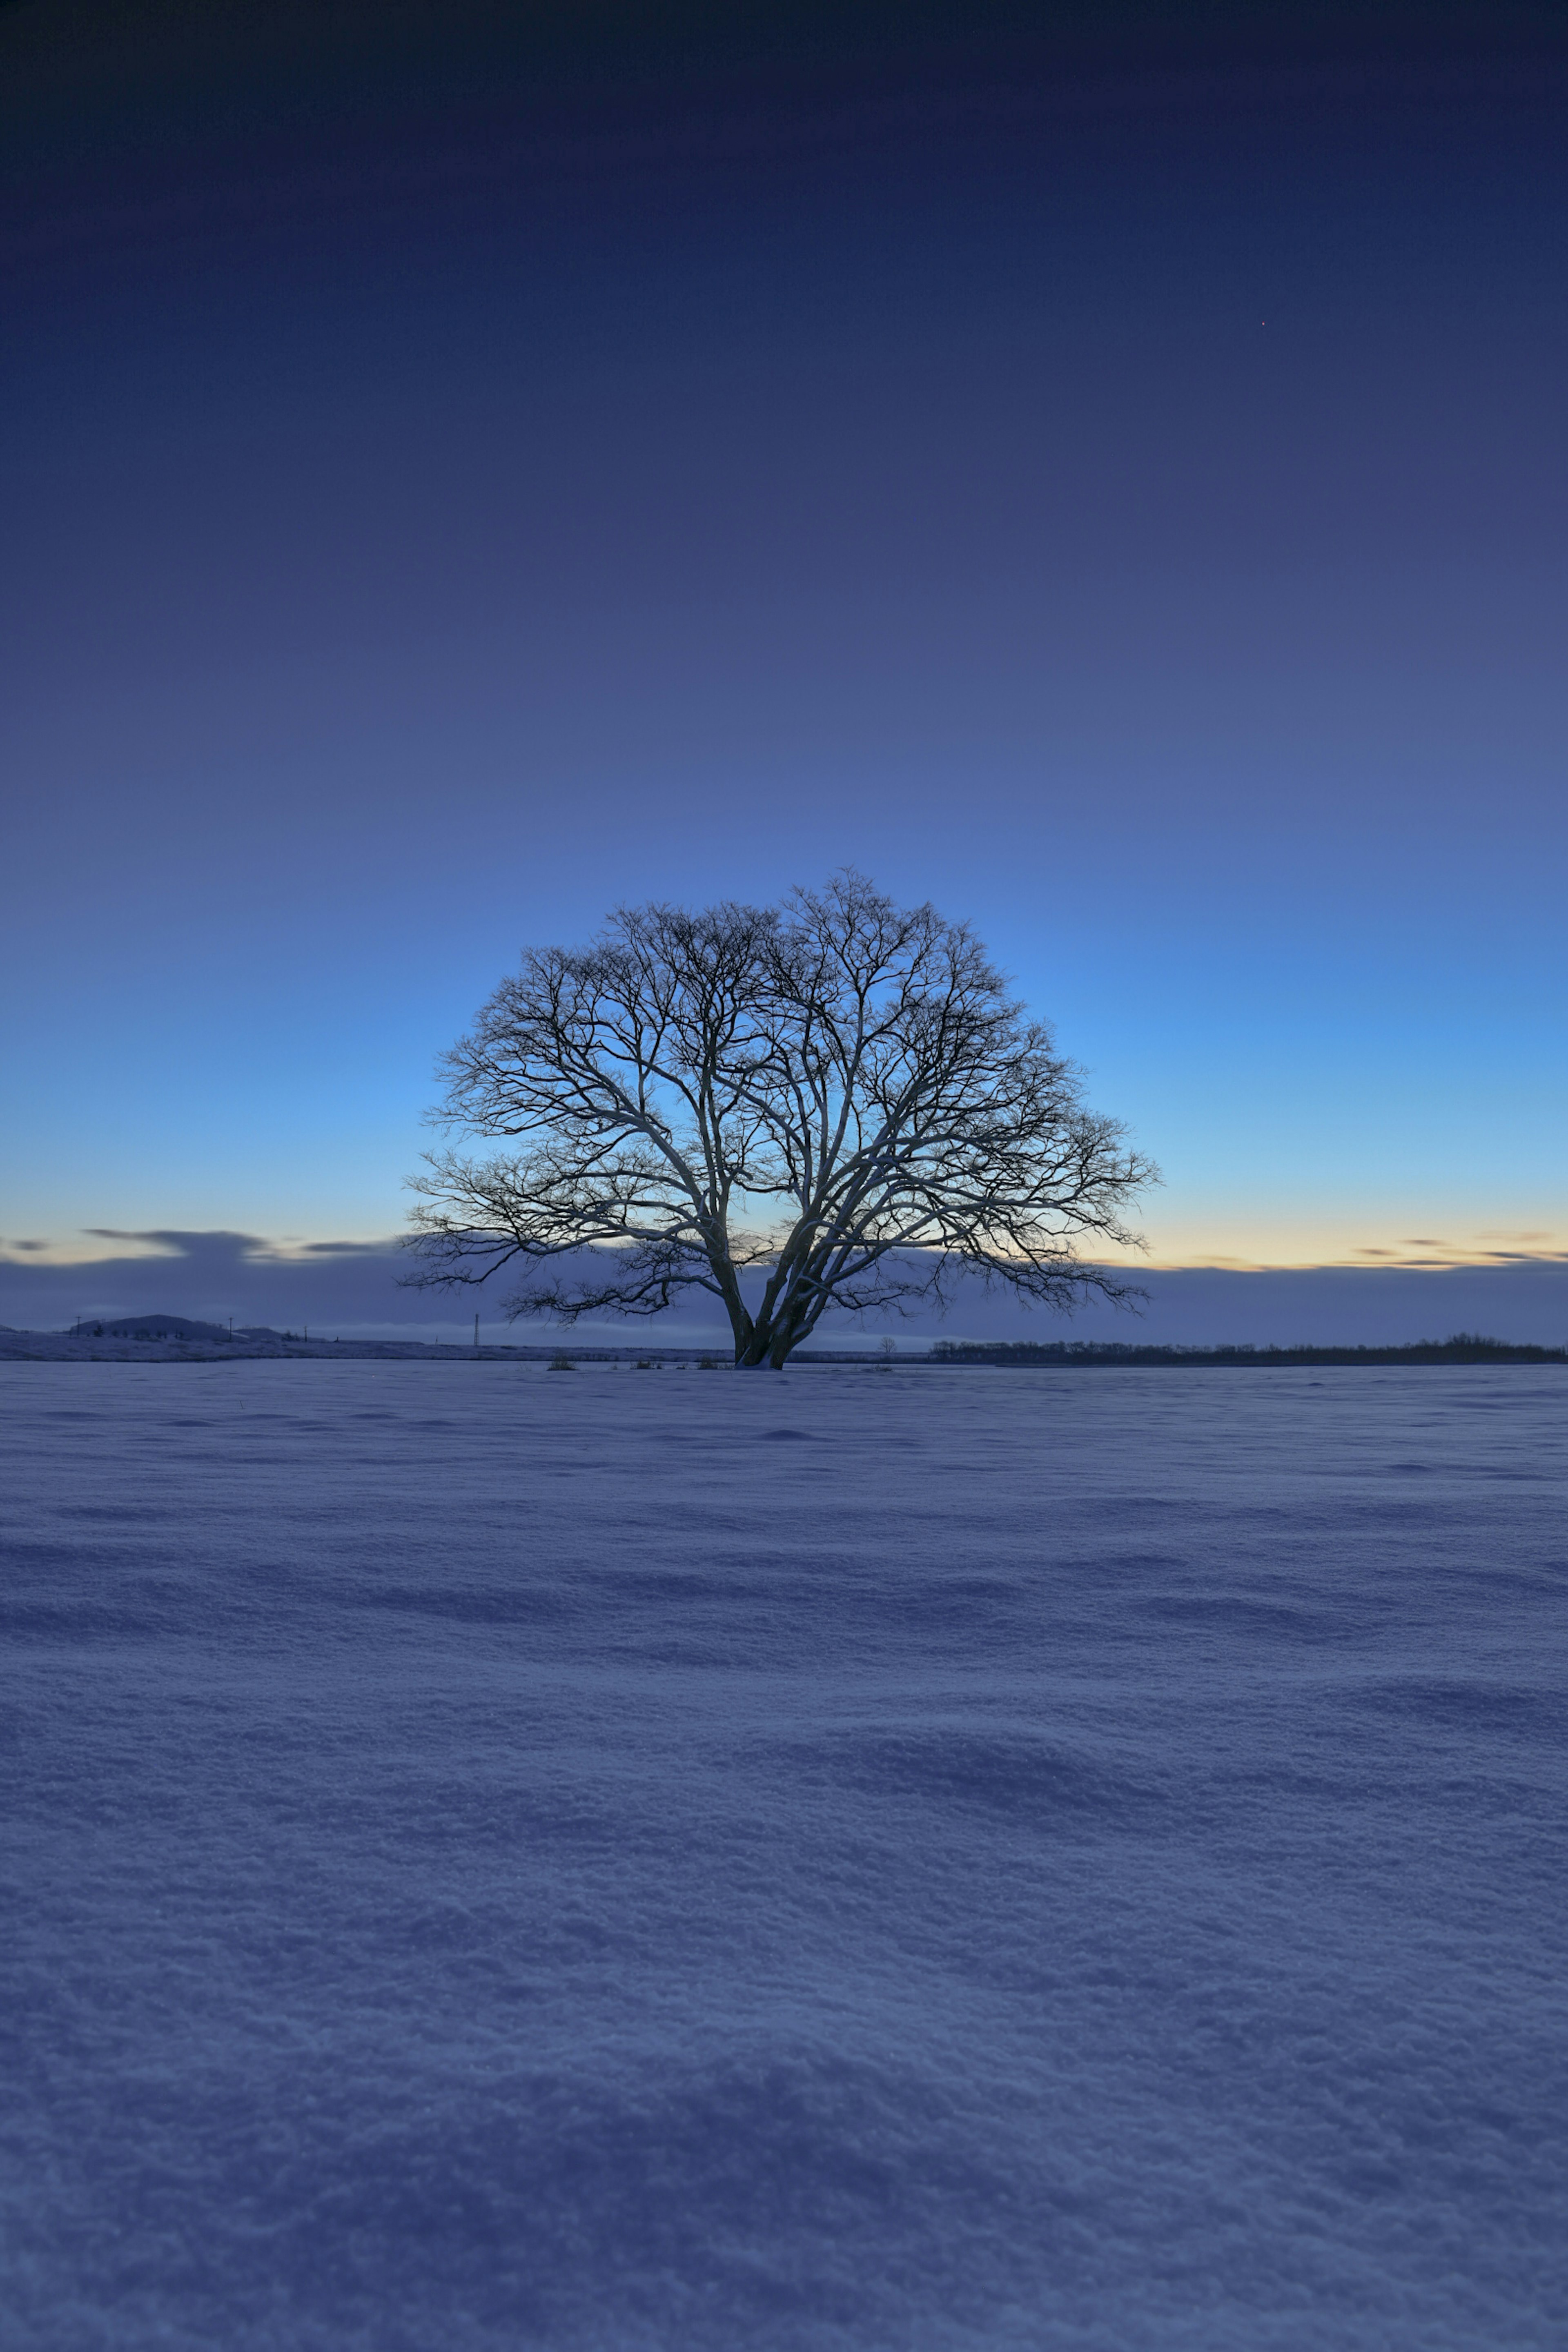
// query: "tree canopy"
[[836, 1092]]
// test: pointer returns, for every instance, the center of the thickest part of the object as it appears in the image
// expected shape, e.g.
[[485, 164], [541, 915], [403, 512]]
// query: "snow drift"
[[499, 1858]]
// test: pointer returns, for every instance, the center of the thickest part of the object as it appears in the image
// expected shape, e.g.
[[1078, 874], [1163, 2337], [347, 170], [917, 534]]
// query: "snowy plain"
[[841, 1860]]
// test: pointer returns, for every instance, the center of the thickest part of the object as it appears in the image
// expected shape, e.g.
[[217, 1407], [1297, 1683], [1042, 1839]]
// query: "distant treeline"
[[1464, 1348]]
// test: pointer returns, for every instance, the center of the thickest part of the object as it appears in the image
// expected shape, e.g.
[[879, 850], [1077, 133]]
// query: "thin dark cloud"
[[211, 1276], [245, 1248]]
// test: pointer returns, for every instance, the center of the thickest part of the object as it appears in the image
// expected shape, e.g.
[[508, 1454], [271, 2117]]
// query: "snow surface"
[[848, 1860]]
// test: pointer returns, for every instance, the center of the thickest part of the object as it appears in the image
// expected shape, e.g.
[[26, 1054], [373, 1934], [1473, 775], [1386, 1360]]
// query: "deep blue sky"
[[1103, 471]]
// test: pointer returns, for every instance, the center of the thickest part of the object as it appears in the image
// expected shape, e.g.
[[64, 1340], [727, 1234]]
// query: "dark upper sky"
[[1101, 468]]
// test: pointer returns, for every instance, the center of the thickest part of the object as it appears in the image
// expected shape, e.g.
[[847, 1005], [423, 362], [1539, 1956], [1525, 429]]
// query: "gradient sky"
[[467, 466]]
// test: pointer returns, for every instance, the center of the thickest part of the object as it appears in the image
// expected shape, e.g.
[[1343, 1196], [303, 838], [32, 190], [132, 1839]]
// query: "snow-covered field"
[[501, 1858]]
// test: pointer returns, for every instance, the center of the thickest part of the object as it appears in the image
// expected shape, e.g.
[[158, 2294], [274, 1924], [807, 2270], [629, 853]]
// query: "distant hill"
[[184, 1339], [148, 1327]]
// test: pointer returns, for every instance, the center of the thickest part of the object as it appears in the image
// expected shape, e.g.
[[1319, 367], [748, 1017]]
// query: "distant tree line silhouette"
[[1464, 1348]]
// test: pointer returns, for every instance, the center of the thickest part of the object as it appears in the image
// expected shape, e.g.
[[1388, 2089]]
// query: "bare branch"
[[837, 1090]]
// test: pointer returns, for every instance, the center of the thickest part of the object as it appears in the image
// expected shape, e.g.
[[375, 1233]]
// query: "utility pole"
[[476, 1335]]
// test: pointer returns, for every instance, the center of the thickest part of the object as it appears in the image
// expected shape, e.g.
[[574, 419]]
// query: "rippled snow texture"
[[851, 1859]]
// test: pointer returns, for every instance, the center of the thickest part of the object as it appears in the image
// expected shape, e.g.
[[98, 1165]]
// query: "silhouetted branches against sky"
[[838, 1090]]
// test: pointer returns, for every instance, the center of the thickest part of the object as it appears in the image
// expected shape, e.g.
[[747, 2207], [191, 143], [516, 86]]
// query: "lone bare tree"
[[836, 1090]]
